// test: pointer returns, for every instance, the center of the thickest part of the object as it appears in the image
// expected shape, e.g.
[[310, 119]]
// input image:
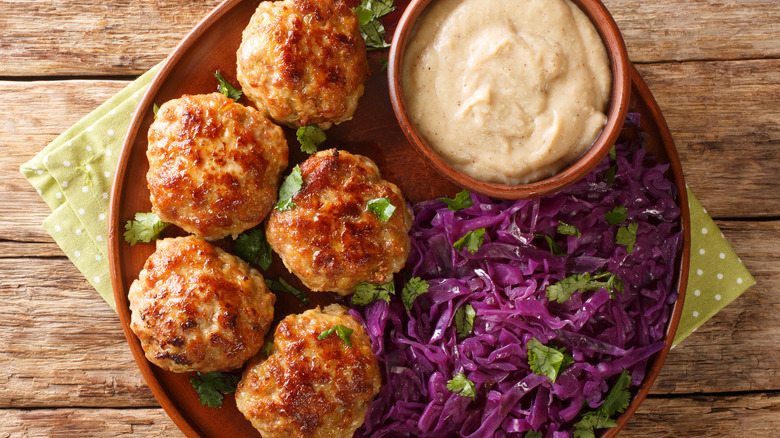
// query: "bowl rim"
[[617, 108]]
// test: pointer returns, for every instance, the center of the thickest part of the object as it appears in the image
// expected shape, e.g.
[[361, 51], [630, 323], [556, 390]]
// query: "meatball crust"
[[311, 387], [197, 308], [329, 238], [214, 165], [303, 61]]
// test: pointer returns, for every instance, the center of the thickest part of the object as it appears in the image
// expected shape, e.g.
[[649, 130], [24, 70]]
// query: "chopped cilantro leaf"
[[225, 88], [382, 208], [555, 249], [615, 402], [568, 230], [366, 293], [609, 176], [533, 434], [253, 248], [617, 215], [627, 236], [210, 387], [471, 241], [563, 289], [383, 62], [291, 185], [613, 153], [462, 386], [281, 285], [547, 361], [267, 349], [368, 13], [462, 200], [413, 289], [464, 320], [310, 136], [155, 109], [342, 332], [145, 227]]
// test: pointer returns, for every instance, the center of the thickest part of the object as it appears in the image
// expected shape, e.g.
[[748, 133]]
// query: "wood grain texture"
[[660, 31], [92, 37], [130, 423]]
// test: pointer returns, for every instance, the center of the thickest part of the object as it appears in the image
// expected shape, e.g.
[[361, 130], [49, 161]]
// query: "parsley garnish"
[[383, 61], [613, 153], [342, 331], [253, 248], [225, 88], [563, 289], [310, 136], [464, 320], [366, 293], [547, 361], [413, 289], [281, 285], [144, 228], [267, 349], [471, 241], [368, 13], [533, 434], [212, 386], [291, 185], [555, 249], [568, 230], [460, 201], [615, 402], [462, 386], [382, 208], [155, 108], [627, 236], [617, 215]]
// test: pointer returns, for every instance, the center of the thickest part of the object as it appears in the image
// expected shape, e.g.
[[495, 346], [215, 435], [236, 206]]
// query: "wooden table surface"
[[713, 66]]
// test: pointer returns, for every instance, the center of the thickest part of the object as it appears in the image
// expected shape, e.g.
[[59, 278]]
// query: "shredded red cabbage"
[[505, 282]]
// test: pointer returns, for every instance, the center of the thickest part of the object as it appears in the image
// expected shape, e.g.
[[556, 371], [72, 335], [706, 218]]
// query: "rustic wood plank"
[[723, 117], [91, 37], [128, 423], [60, 344], [701, 416], [707, 416], [737, 349], [657, 31]]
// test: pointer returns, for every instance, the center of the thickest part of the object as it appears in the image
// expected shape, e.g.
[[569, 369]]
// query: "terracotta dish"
[[374, 132], [616, 111]]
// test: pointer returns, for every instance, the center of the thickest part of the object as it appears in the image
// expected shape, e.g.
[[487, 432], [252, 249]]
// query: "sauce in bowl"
[[507, 91]]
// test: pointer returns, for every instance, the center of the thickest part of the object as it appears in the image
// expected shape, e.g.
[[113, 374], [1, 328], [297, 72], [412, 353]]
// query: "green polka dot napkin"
[[73, 175]]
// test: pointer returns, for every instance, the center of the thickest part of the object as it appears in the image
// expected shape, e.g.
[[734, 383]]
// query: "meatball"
[[311, 387], [197, 308], [303, 61], [329, 238], [214, 165]]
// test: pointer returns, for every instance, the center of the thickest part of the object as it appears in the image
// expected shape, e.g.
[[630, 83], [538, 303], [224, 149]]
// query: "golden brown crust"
[[309, 387], [330, 239], [197, 308], [303, 61], [214, 165]]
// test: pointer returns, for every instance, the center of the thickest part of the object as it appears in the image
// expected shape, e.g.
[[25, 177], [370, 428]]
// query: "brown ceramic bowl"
[[616, 109]]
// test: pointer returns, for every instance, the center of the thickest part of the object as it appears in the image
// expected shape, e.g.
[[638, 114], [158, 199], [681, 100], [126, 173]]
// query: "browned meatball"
[[330, 239], [214, 165], [197, 308], [310, 387], [303, 61]]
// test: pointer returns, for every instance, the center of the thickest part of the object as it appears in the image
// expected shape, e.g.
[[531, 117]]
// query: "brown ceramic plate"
[[373, 132]]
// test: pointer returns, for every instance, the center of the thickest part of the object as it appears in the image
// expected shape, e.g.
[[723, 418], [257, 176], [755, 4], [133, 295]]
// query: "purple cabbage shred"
[[505, 282]]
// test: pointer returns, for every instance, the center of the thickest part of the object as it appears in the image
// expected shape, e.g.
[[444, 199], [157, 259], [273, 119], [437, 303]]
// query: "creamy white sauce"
[[508, 91]]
